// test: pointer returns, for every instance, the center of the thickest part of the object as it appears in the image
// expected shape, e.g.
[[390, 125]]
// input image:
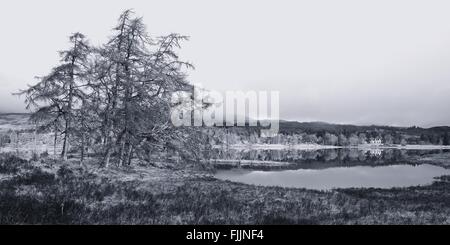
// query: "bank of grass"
[[52, 192]]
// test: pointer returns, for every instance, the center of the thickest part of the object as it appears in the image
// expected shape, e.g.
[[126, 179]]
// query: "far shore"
[[325, 147]]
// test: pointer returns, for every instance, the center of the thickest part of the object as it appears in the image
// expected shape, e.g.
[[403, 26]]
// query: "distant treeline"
[[336, 134]]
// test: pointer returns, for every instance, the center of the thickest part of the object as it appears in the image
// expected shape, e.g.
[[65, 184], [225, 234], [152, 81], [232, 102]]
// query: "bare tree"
[[120, 93], [55, 97], [136, 76]]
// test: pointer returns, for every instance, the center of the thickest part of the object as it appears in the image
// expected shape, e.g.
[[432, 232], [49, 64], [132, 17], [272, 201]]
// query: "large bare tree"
[[55, 97], [117, 97]]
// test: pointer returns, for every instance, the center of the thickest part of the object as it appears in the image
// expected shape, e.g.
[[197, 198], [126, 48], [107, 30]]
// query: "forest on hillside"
[[337, 135]]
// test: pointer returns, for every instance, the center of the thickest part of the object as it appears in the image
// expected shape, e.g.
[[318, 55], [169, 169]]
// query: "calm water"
[[339, 177], [342, 156], [325, 170]]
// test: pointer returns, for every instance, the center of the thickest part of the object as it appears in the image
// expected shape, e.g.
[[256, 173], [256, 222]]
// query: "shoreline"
[[327, 147]]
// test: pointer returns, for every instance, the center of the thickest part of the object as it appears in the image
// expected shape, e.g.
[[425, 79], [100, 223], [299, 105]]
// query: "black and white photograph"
[[204, 113]]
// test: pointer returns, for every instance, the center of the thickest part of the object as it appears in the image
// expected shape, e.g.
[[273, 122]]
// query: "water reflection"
[[339, 177], [344, 156]]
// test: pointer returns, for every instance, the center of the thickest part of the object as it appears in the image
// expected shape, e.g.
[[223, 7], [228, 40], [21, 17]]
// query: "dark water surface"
[[340, 177], [336, 168]]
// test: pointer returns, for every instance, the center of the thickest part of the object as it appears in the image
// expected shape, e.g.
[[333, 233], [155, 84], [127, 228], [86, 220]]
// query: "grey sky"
[[363, 62]]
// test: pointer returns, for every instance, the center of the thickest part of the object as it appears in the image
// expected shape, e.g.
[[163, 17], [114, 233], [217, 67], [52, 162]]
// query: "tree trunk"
[[129, 154], [110, 142], [54, 142], [107, 157], [82, 147], [69, 107], [121, 154], [65, 145]]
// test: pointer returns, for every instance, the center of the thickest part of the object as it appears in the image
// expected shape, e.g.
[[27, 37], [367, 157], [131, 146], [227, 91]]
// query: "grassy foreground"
[[52, 192]]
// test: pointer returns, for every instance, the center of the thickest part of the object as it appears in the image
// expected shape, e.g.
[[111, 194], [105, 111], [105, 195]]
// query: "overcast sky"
[[361, 62]]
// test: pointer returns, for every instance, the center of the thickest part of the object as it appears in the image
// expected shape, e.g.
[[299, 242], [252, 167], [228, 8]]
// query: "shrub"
[[10, 164], [35, 177]]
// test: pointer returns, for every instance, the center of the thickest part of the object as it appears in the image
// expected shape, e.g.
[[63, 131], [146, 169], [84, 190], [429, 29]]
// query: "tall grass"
[[58, 193]]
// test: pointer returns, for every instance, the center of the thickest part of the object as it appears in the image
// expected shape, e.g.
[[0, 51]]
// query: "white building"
[[376, 141]]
